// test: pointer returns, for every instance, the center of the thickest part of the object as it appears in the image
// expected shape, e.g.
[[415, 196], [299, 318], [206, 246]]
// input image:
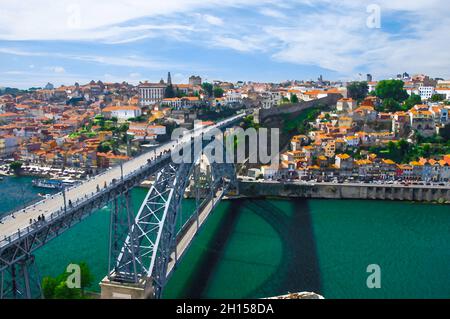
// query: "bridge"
[[144, 247]]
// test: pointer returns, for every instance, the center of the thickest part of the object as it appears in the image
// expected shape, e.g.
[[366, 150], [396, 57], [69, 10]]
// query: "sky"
[[67, 41]]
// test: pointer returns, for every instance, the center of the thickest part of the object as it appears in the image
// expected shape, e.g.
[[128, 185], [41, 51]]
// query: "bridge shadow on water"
[[197, 284], [298, 269]]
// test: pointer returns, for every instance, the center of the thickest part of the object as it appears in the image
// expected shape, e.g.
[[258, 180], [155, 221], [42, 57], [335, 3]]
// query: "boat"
[[47, 183], [69, 182]]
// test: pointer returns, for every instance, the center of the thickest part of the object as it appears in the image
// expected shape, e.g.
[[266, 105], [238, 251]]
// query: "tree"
[[358, 90], [124, 127], [411, 101], [426, 150], [391, 89], [403, 146], [392, 147], [437, 98], [445, 132], [49, 285], [294, 98], [16, 166], [56, 287], [391, 105], [104, 148], [169, 92], [218, 92], [61, 291], [86, 277], [285, 100], [208, 88]]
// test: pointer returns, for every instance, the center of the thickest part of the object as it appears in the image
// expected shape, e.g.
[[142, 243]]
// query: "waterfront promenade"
[[19, 221]]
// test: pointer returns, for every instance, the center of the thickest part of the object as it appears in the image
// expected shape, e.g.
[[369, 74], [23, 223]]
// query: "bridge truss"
[[149, 251]]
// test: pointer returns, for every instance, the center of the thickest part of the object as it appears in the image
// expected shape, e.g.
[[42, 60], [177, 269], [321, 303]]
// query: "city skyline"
[[78, 41]]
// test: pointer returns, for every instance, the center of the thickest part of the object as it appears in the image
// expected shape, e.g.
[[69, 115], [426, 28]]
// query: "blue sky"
[[66, 41]]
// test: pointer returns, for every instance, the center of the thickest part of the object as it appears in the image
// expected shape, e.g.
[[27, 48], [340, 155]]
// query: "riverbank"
[[45, 172], [273, 189]]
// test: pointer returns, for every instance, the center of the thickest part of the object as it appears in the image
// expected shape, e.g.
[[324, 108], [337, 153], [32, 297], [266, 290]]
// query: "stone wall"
[[276, 114], [342, 191]]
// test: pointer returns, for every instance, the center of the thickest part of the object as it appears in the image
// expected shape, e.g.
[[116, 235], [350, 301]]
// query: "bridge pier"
[[111, 289], [20, 280]]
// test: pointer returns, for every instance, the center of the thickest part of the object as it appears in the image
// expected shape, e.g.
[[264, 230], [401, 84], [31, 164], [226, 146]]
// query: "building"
[[270, 172], [298, 141], [122, 113], [440, 114], [183, 102], [8, 116], [233, 97], [254, 172], [400, 123], [426, 92], [8, 145], [151, 93], [422, 120], [372, 86], [195, 80], [343, 162], [271, 99], [145, 131], [346, 105], [109, 159], [49, 86], [445, 92]]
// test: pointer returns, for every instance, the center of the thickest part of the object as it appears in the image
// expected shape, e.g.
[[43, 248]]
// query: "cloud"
[[413, 36], [272, 13], [338, 38], [58, 69], [128, 61], [245, 44], [93, 20], [213, 20]]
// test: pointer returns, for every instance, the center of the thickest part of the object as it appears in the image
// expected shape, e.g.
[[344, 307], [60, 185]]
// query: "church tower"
[[169, 79]]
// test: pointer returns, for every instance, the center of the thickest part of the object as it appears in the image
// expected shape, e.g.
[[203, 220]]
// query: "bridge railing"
[[25, 231]]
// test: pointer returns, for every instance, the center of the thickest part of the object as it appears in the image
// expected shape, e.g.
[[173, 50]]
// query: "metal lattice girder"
[[20, 281], [152, 239], [122, 220], [153, 232]]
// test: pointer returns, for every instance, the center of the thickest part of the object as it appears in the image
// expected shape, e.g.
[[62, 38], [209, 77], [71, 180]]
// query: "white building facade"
[[426, 92], [151, 93]]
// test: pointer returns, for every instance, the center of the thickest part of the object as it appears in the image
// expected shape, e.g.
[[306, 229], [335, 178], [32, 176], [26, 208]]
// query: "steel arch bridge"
[[154, 241], [144, 248]]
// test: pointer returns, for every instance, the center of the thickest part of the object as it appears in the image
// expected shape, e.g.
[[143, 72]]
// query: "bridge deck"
[[185, 241]]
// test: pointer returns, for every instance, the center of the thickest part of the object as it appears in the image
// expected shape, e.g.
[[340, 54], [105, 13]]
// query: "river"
[[259, 248]]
